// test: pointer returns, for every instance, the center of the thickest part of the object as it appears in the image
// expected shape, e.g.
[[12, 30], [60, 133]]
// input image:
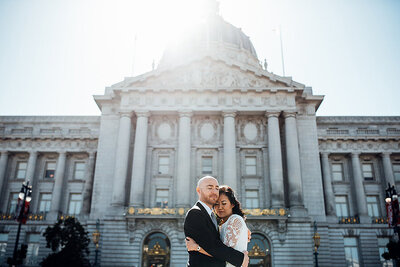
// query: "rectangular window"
[[382, 242], [3, 246], [79, 170], [206, 165], [396, 172], [21, 170], [252, 199], [12, 203], [162, 198], [342, 207], [32, 253], [50, 169], [337, 172], [251, 165], [44, 202], [351, 252], [373, 208], [75, 204], [163, 165], [367, 171]]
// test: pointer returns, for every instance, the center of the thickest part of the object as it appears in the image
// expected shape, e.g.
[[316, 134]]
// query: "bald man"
[[201, 225]]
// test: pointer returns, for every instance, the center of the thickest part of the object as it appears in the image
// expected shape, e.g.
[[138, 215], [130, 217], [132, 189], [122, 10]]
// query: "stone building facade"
[[209, 108]]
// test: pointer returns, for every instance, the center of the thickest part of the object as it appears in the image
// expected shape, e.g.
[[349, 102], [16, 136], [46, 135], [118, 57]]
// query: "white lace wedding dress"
[[233, 233]]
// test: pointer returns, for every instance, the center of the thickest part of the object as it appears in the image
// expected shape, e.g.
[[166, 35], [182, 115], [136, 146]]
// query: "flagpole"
[[283, 62]]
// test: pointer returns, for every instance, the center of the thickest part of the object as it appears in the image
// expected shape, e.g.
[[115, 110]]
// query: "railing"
[[379, 220], [337, 131], [31, 217], [367, 131], [349, 220]]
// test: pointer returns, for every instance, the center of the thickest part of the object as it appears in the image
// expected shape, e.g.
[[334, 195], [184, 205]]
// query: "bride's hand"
[[191, 245]]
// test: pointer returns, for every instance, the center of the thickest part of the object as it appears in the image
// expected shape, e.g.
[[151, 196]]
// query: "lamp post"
[[24, 198], [317, 240], [96, 239], [392, 209]]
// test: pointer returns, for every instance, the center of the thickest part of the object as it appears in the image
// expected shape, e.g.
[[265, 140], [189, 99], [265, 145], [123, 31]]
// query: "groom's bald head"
[[208, 190]]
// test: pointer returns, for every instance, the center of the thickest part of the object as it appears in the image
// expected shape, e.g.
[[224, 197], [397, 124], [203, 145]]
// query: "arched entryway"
[[156, 250], [259, 251]]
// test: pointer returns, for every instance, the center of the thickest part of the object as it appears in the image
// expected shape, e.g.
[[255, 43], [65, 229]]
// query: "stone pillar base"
[[298, 212]]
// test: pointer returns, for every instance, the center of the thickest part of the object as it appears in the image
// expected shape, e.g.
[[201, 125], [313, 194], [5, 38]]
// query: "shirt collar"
[[209, 211]]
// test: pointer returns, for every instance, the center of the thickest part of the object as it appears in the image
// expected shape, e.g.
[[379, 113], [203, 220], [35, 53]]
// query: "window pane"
[[162, 198], [50, 170], [206, 165], [382, 242], [372, 204], [337, 172], [21, 169], [45, 202], [351, 251], [367, 171], [250, 165], [341, 206], [75, 204], [79, 170], [252, 201], [12, 203], [33, 249], [396, 170], [163, 165]]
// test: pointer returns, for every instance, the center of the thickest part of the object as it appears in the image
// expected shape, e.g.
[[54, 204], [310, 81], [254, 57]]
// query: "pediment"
[[208, 74]]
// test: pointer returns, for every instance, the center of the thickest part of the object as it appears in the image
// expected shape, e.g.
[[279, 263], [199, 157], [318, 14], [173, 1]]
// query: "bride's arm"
[[232, 233], [191, 245]]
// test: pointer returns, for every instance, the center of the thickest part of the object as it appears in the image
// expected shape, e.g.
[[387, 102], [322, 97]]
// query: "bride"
[[233, 230]]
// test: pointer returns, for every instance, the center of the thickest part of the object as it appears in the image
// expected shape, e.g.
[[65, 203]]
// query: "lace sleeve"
[[233, 231]]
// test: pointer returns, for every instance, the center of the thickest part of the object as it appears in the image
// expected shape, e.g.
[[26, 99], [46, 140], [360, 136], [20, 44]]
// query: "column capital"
[[4, 152], [229, 113], [33, 152], [142, 113], [386, 154], [91, 154], [289, 114], [185, 113], [272, 113], [355, 154], [125, 113], [62, 153], [325, 154]]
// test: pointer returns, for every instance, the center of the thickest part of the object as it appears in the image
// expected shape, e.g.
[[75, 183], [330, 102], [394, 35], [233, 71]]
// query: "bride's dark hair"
[[227, 191]]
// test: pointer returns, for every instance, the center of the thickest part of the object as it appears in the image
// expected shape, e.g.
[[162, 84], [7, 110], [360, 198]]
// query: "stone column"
[[275, 160], [293, 161], [58, 183], [387, 169], [3, 167], [87, 189], [359, 186], [184, 156], [328, 190], [230, 149], [121, 159], [139, 160], [30, 172]]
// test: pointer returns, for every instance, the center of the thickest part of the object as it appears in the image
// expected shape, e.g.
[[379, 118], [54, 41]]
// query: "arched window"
[[156, 250], [259, 251]]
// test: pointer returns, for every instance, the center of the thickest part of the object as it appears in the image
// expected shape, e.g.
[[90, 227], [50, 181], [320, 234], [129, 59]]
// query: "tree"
[[393, 251], [69, 242]]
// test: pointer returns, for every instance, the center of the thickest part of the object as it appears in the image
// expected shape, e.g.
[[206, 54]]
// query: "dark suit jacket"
[[199, 226]]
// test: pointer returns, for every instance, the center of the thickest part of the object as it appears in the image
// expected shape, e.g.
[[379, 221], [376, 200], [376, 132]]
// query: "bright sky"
[[56, 54]]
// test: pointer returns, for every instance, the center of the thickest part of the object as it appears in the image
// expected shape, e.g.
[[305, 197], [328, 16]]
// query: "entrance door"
[[259, 251], [156, 250]]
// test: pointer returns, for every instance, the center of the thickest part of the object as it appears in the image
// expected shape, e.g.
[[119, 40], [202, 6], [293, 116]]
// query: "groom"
[[201, 225]]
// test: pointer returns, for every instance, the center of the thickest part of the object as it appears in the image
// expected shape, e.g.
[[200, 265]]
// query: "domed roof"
[[215, 34]]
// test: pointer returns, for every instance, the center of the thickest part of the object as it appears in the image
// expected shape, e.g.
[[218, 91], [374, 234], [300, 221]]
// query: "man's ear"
[[198, 190]]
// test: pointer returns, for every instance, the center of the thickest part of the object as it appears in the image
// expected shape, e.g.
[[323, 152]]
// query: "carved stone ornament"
[[206, 74]]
